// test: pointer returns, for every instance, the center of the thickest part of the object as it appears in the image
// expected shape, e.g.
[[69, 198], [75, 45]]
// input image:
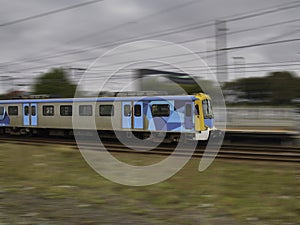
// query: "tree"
[[278, 88], [55, 83], [284, 87]]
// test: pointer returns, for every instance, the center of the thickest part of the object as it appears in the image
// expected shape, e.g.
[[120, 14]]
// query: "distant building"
[[16, 94]]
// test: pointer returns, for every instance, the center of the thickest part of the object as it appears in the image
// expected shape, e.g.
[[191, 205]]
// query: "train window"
[[1, 110], [33, 110], [188, 110], [197, 109], [127, 110], [85, 110], [137, 110], [160, 110], [48, 110], [66, 110], [26, 110], [207, 110], [13, 110], [106, 110]]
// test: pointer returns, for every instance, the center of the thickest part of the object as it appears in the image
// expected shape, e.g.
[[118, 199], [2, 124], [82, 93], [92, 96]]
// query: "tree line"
[[278, 88]]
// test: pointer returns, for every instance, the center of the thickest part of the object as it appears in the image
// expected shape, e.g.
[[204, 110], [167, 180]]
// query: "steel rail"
[[228, 151]]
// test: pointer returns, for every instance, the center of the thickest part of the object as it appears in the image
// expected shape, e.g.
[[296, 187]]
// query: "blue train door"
[[132, 115], [138, 120], [30, 114], [33, 114], [126, 115], [188, 117]]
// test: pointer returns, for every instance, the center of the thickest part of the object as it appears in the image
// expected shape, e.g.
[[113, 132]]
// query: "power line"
[[132, 22], [143, 18], [268, 11], [127, 73], [232, 18], [231, 66], [248, 65], [111, 44], [185, 54], [182, 42], [205, 51], [151, 35], [224, 49], [260, 44], [211, 36], [25, 19], [246, 30], [268, 40]]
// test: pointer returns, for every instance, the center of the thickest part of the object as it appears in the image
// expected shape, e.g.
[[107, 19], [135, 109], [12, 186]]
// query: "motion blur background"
[[252, 47]]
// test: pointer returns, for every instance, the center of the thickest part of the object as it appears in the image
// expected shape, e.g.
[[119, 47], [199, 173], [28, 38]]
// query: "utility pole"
[[75, 73], [239, 67], [221, 51]]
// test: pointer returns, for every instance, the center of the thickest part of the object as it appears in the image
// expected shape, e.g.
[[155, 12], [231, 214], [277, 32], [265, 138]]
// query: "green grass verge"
[[54, 185]]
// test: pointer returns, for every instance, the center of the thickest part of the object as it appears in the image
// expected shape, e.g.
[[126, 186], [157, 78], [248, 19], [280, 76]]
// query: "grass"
[[54, 185]]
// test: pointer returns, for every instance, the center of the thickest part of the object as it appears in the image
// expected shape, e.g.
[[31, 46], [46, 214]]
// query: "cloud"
[[93, 27]]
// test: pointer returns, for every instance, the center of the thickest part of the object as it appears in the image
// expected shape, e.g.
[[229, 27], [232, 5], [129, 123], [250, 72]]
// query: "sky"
[[106, 36]]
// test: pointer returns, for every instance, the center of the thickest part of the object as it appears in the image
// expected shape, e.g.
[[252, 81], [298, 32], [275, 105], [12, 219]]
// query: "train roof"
[[103, 99]]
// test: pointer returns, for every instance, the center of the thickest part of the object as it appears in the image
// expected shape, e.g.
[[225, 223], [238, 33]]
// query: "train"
[[174, 115]]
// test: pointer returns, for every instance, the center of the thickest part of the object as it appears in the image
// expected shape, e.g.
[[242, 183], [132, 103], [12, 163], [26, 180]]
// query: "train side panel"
[[11, 116], [108, 116], [171, 115], [49, 116]]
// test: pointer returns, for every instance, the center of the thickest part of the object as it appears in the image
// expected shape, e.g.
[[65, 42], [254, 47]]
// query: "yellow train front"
[[204, 117], [173, 115]]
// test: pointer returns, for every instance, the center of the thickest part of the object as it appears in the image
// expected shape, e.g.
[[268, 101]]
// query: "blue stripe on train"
[[177, 119], [4, 120], [104, 99], [209, 122]]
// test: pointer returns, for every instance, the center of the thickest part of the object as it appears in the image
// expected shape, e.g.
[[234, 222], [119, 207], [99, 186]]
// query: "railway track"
[[289, 154]]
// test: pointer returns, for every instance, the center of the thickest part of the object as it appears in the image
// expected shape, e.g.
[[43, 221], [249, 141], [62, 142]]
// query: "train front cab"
[[204, 118]]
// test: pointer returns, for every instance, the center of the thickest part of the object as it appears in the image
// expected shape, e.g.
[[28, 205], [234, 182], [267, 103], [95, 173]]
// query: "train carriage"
[[190, 115]]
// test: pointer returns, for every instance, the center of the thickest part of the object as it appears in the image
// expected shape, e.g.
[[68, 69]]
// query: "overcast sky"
[[75, 38]]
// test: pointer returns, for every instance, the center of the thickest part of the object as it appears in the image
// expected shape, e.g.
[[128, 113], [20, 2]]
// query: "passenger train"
[[174, 115]]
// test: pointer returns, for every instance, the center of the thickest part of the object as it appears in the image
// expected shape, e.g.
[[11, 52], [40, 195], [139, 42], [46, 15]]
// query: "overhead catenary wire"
[[113, 28], [190, 40], [51, 12], [224, 49], [180, 55], [170, 31], [237, 17], [290, 63]]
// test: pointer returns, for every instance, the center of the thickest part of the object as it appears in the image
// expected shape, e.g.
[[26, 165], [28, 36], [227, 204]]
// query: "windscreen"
[[207, 109]]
